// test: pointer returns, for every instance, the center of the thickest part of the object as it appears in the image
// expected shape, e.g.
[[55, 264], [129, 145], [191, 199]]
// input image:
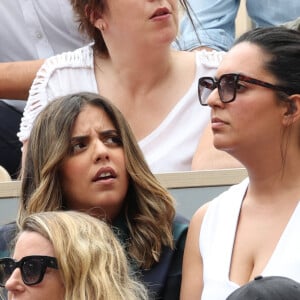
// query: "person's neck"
[[274, 174], [139, 70]]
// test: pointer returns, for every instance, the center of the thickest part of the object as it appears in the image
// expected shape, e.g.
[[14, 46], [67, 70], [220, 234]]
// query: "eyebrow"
[[101, 134]]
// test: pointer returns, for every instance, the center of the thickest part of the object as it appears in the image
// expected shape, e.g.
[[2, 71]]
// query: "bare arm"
[[24, 153], [16, 78], [207, 157], [192, 269]]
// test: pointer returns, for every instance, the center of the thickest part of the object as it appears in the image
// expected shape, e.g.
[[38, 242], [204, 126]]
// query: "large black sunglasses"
[[32, 268], [227, 86]]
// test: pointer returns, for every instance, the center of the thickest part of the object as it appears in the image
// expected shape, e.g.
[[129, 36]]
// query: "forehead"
[[32, 243], [245, 58], [91, 117]]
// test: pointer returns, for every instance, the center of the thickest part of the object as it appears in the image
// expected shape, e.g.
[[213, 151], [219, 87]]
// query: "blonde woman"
[[68, 255]]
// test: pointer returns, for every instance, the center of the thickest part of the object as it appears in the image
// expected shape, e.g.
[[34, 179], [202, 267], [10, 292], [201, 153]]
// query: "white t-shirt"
[[168, 148], [32, 29], [216, 242]]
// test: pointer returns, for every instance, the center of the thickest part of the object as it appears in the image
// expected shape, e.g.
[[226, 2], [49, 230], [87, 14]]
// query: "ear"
[[95, 17], [293, 112]]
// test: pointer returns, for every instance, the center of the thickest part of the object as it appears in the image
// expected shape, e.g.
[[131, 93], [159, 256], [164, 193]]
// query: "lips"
[[104, 174], [160, 12], [217, 120]]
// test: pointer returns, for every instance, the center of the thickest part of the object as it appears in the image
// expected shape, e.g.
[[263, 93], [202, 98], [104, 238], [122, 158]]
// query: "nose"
[[214, 100], [101, 151], [15, 282]]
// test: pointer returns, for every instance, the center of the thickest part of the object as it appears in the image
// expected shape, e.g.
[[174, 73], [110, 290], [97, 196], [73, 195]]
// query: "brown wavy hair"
[[148, 207]]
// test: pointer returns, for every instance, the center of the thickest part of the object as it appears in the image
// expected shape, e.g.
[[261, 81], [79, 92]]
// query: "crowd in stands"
[[100, 96]]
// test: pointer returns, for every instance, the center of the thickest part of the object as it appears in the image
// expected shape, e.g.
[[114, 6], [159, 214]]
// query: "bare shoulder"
[[192, 275], [4, 175], [184, 56], [197, 218]]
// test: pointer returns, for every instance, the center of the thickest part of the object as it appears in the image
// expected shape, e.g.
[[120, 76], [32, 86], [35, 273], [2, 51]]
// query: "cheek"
[[71, 175], [72, 167], [58, 287], [120, 160], [253, 120], [176, 17], [53, 289], [246, 109]]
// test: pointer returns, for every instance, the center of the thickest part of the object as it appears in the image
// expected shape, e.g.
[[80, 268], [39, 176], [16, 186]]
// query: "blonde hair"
[[91, 261], [148, 207]]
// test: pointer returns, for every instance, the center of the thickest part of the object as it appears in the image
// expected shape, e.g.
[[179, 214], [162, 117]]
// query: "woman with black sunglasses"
[[66, 256], [253, 228]]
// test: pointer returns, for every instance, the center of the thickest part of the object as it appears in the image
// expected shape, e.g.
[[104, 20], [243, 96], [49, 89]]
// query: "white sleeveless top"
[[217, 239], [170, 147]]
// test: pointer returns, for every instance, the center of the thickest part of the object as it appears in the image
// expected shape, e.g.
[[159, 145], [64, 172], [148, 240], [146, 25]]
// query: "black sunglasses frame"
[[11, 265], [235, 78]]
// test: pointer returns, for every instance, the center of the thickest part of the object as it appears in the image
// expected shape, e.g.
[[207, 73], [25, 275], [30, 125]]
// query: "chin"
[[223, 142], [220, 146], [227, 147], [167, 36]]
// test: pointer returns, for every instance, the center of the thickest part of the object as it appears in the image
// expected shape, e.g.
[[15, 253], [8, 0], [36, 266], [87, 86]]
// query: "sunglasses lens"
[[227, 87], [206, 86], [32, 270], [6, 269]]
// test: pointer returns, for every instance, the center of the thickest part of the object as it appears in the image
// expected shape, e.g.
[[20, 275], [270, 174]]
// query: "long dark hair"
[[282, 45]]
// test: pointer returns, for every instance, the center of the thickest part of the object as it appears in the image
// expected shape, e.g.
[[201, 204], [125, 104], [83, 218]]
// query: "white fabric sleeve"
[[53, 79]]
